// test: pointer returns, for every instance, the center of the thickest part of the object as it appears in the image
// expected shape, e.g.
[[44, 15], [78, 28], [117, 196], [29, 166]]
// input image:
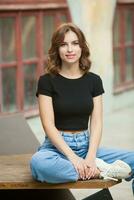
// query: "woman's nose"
[[69, 48]]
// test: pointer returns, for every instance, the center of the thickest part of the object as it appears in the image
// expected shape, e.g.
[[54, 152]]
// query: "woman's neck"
[[71, 70]]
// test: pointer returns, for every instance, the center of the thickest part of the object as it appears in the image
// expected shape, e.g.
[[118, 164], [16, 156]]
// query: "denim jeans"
[[50, 165]]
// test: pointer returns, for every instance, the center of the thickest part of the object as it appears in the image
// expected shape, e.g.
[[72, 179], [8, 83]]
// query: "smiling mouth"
[[70, 56]]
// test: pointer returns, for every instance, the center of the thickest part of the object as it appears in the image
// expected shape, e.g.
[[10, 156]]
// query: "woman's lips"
[[70, 56]]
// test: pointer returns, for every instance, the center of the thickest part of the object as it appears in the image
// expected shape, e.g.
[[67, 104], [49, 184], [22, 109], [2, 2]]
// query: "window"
[[24, 42], [123, 35]]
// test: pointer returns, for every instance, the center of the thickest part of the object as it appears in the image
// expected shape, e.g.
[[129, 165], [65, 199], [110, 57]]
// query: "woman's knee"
[[52, 169], [40, 166]]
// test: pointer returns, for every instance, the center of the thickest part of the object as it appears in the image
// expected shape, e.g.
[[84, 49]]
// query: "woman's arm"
[[47, 119], [48, 122], [95, 126], [95, 134]]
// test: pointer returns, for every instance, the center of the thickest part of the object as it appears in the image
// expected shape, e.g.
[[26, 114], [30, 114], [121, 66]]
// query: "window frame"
[[40, 56], [121, 47]]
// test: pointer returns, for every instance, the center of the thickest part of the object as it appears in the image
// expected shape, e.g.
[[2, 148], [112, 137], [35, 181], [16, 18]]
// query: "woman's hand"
[[93, 170], [81, 167]]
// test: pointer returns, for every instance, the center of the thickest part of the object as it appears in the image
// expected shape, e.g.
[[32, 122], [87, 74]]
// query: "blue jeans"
[[50, 165]]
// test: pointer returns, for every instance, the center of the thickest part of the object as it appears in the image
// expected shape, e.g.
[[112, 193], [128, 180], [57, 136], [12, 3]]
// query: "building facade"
[[109, 29], [26, 27]]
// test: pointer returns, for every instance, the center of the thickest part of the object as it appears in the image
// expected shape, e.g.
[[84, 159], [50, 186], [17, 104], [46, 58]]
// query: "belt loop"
[[61, 133], [85, 133]]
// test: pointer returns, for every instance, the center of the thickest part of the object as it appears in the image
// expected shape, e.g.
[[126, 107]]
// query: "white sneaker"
[[114, 171]]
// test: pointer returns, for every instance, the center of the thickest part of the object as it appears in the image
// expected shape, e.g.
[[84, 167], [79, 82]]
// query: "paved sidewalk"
[[118, 132]]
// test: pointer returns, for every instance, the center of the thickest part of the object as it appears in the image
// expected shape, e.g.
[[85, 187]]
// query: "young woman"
[[70, 106]]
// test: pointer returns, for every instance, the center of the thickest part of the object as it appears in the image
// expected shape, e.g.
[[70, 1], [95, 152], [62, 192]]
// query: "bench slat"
[[15, 174]]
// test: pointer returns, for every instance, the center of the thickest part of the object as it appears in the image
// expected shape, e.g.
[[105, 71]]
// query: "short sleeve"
[[44, 86], [97, 87]]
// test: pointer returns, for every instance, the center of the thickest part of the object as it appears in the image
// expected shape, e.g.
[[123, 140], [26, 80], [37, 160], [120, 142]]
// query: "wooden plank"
[[15, 174], [32, 7], [32, 4], [125, 1], [30, 1]]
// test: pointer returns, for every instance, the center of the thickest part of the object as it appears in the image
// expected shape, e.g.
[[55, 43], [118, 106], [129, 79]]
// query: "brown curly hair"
[[53, 65]]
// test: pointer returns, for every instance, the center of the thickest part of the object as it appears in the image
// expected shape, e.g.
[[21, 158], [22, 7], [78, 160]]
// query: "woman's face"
[[70, 50]]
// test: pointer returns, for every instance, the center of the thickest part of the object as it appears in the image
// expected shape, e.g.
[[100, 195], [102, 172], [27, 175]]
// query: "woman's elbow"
[[48, 125]]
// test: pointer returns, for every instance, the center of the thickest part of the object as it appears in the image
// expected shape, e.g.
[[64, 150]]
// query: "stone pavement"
[[118, 132]]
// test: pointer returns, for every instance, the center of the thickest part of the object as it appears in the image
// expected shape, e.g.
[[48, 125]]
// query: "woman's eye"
[[76, 43]]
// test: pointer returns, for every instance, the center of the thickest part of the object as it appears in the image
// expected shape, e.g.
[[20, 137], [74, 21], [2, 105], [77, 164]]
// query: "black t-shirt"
[[72, 98]]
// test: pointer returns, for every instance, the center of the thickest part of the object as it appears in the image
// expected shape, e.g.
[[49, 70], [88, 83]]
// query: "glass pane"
[[116, 29], [129, 64], [28, 37], [116, 68], [128, 26], [7, 39], [9, 89], [48, 29], [30, 85], [63, 18]]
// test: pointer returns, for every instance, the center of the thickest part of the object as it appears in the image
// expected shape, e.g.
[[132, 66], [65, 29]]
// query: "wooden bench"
[[15, 175], [17, 144]]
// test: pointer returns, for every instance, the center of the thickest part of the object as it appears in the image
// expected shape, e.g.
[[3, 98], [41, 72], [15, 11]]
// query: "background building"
[[26, 27], [109, 28]]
